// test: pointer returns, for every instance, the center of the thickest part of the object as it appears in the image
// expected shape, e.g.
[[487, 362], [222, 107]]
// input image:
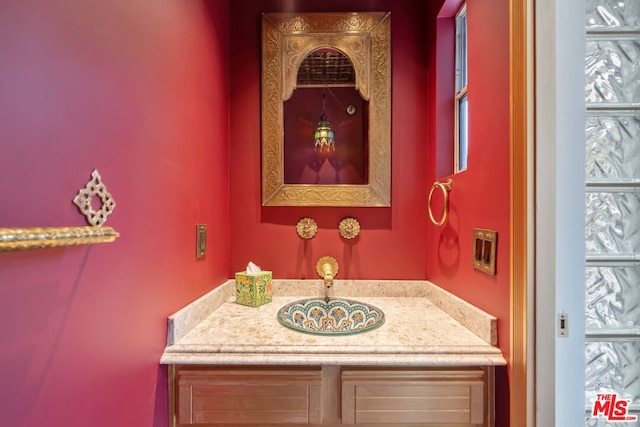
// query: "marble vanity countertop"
[[424, 326]]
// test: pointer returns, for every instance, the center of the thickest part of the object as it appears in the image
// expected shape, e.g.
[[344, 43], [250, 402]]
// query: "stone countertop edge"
[[190, 358], [480, 323]]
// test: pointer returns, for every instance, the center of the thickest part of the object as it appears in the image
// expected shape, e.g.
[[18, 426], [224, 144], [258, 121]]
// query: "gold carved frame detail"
[[286, 40]]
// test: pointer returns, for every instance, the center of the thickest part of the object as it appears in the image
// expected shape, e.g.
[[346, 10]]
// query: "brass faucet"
[[327, 268]]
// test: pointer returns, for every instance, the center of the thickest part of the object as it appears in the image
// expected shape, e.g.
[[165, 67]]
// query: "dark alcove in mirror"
[[325, 94]]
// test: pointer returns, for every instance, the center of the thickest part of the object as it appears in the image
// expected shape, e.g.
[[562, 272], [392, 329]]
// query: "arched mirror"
[[326, 119], [326, 123]]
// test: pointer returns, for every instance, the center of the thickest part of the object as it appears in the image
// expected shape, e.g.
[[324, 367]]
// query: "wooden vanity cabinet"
[[217, 396], [415, 396], [209, 395]]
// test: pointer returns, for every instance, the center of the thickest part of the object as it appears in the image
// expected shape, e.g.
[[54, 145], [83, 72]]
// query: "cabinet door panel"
[[250, 417], [251, 403], [393, 402], [413, 396], [248, 395]]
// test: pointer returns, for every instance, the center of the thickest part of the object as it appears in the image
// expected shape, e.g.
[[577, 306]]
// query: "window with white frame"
[[461, 142]]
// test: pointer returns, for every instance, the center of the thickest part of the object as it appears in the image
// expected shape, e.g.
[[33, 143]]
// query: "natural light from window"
[[462, 104]]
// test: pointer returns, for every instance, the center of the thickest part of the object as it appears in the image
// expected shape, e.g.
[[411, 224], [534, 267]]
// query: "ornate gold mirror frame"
[[286, 40]]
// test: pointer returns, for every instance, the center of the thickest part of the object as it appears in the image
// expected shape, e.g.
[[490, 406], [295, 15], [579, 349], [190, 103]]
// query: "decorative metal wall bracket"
[[17, 239], [349, 228], [83, 199], [307, 228]]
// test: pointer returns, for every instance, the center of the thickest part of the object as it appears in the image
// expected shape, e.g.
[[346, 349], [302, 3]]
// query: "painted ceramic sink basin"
[[339, 316]]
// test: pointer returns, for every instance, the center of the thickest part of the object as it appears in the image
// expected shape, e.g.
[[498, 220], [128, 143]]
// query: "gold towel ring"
[[445, 187]]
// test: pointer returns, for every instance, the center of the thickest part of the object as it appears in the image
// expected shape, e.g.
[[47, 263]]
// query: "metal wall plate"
[[484, 250], [201, 240]]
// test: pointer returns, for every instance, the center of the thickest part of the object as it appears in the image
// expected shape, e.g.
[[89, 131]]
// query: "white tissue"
[[252, 268]]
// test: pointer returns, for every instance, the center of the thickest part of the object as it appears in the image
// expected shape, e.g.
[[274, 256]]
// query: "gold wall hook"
[[349, 228], [445, 187], [307, 228]]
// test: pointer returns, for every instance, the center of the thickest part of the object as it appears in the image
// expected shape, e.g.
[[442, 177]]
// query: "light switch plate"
[[563, 325], [201, 240], [484, 250]]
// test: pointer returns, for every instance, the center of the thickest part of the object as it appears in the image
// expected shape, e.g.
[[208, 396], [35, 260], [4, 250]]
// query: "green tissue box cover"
[[253, 289]]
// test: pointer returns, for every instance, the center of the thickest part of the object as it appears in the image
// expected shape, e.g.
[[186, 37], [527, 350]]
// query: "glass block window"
[[612, 234]]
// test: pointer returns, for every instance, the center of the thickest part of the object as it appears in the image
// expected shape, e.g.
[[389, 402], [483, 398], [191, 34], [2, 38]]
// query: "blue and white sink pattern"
[[339, 316]]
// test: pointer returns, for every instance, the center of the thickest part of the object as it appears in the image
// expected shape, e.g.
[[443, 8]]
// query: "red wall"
[[392, 243], [397, 242], [138, 90], [480, 195]]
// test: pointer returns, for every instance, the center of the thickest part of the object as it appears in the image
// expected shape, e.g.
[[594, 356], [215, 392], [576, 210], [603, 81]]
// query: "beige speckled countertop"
[[424, 325]]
